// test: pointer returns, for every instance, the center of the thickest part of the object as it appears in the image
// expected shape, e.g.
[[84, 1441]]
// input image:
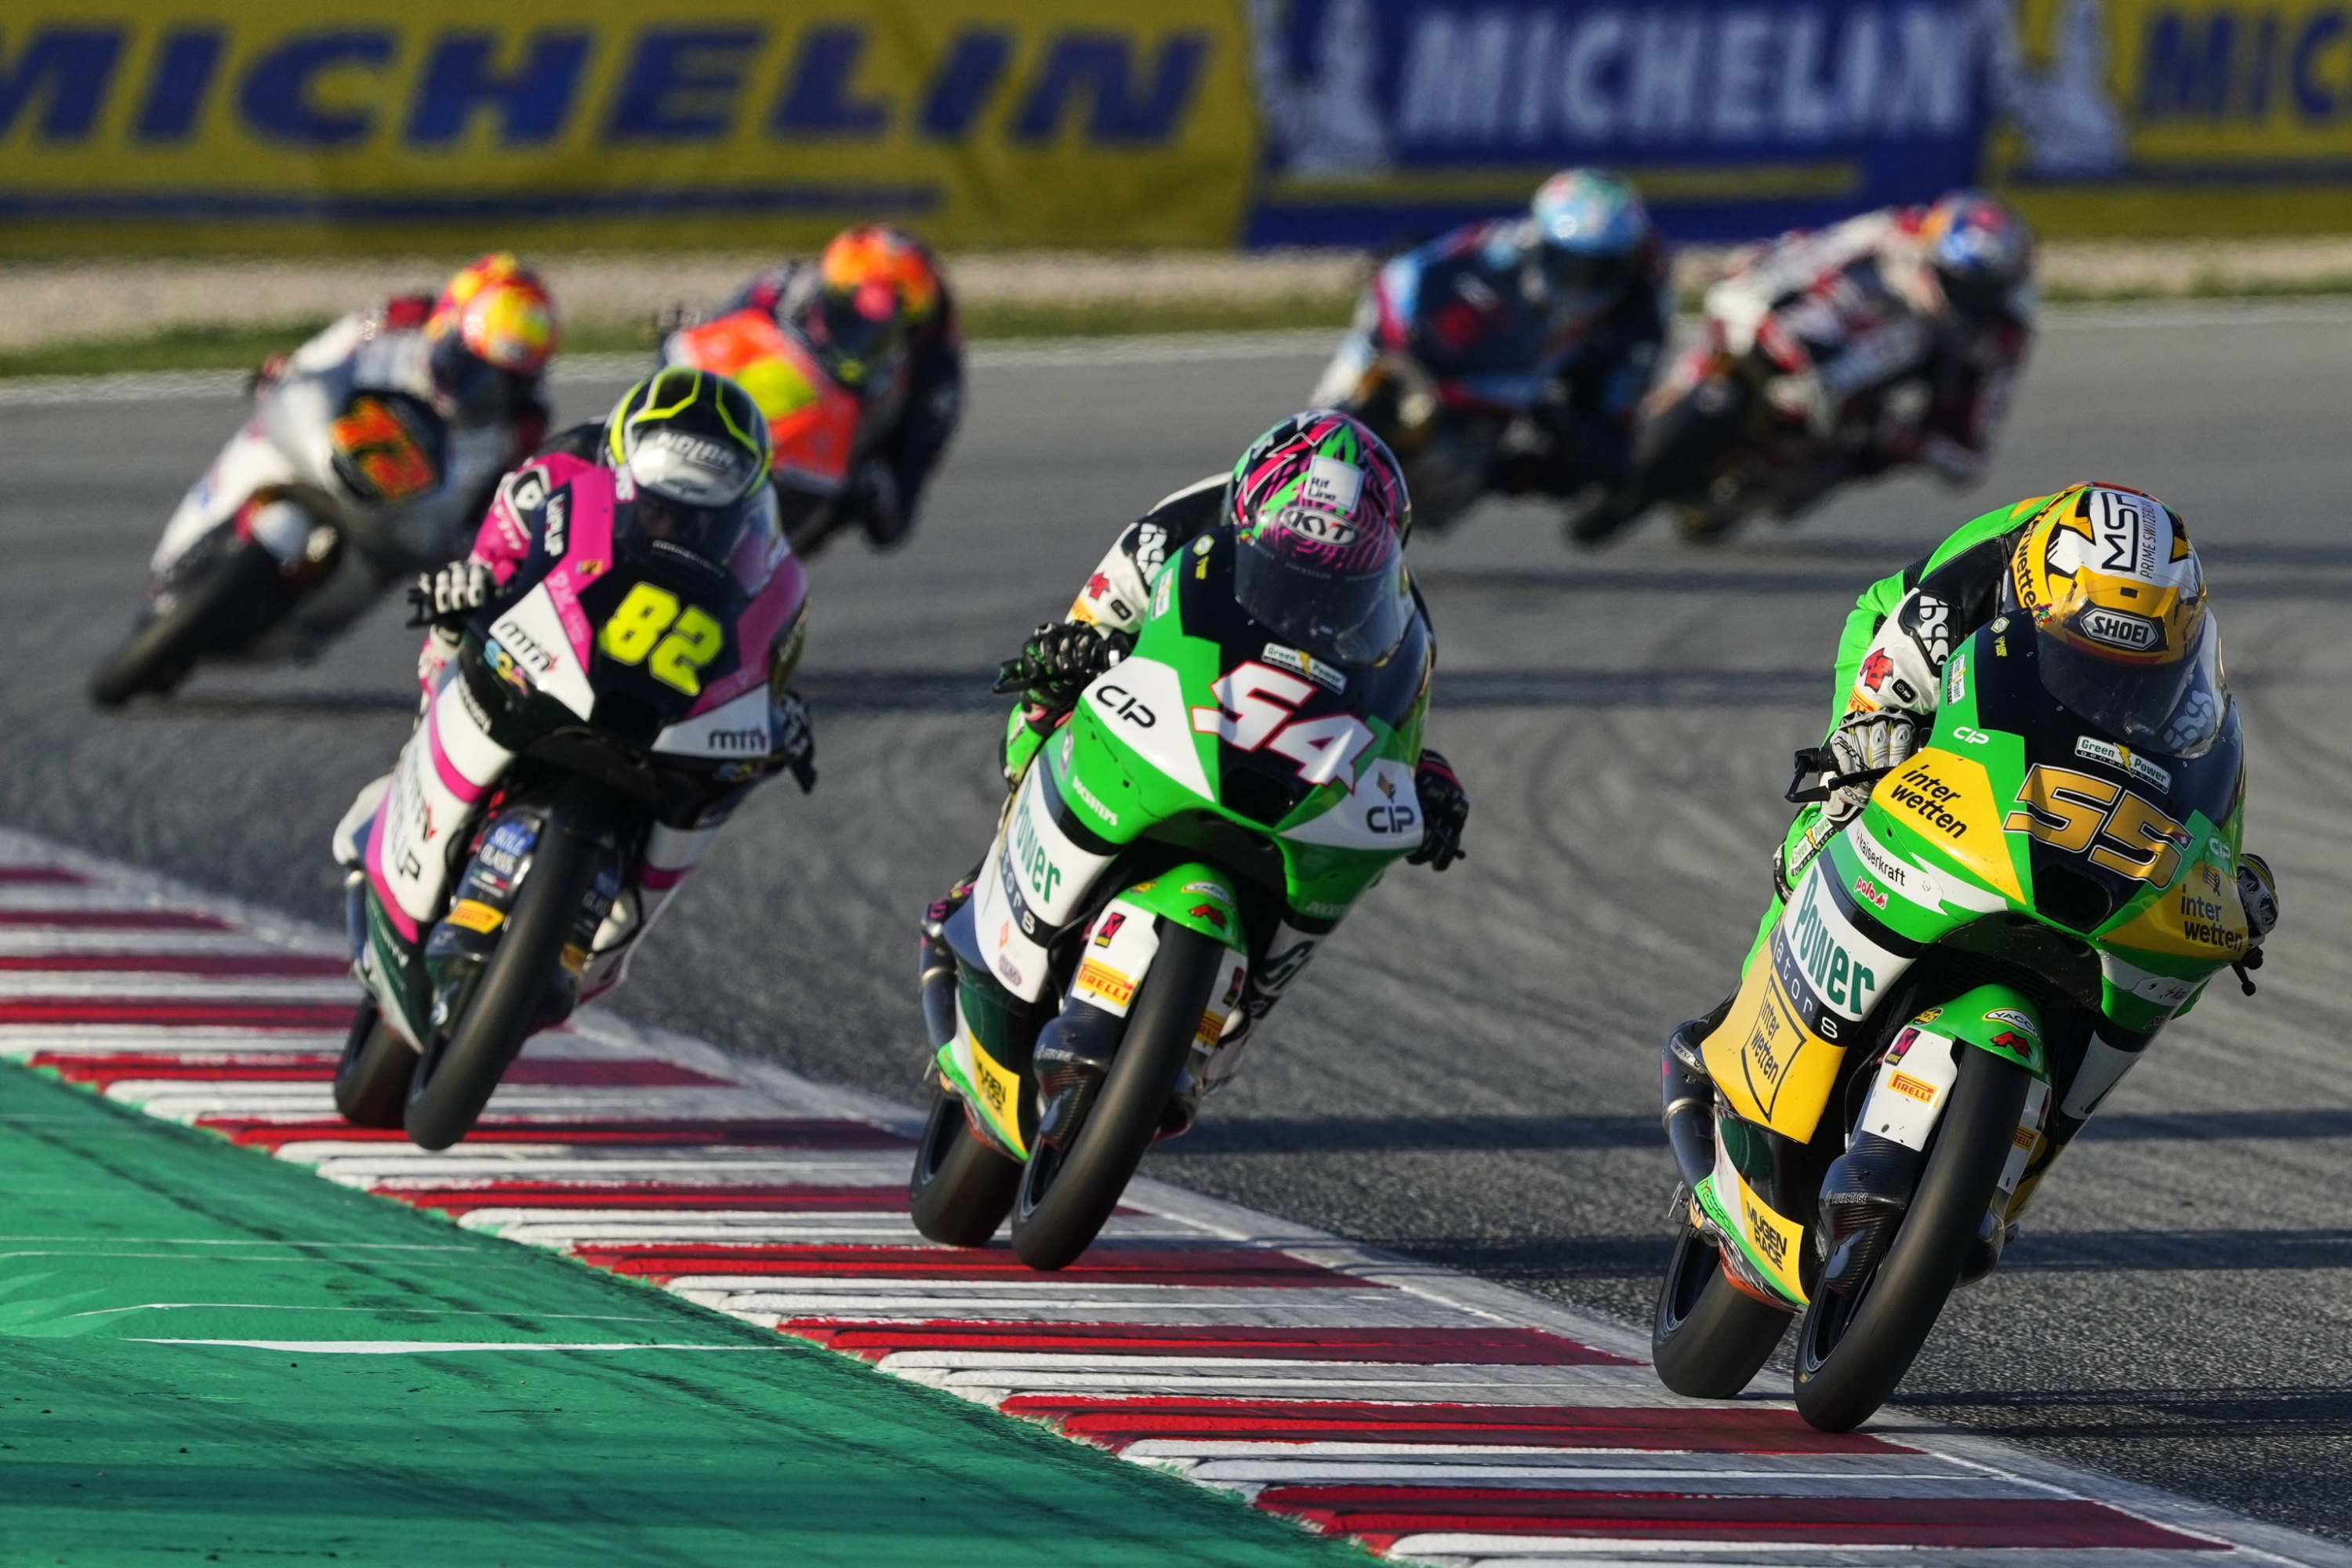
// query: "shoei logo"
[[2136, 634]]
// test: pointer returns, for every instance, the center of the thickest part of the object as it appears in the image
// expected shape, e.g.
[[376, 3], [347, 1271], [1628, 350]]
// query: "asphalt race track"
[[1468, 1072]]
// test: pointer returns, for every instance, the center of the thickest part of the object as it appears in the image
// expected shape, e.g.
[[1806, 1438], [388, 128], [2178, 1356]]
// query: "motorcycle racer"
[[1890, 340], [681, 465], [1321, 510], [1558, 315], [875, 309], [2105, 579], [369, 455]]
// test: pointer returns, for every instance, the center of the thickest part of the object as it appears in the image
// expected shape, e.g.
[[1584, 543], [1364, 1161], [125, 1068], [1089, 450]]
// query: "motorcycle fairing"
[[812, 419]]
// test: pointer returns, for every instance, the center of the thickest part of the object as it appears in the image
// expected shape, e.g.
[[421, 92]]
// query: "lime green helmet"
[[693, 447]]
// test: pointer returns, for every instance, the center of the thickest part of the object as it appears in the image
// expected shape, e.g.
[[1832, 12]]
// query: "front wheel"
[[465, 1058], [371, 1079], [1066, 1194], [159, 653], [1852, 1349], [1709, 1337], [961, 1189]]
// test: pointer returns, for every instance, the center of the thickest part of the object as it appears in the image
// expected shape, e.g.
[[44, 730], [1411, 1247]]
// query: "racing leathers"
[[1855, 308], [694, 803], [1477, 312], [1889, 683], [922, 404], [1062, 657]]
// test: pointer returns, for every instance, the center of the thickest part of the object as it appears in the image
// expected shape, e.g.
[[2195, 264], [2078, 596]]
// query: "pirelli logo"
[[1904, 1083], [1106, 982]]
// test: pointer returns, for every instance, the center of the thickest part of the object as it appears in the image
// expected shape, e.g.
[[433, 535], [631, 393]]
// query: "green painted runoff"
[[683, 1437]]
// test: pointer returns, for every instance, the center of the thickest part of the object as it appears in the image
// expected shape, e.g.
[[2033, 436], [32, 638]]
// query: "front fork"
[[1724, 1162], [1026, 1076]]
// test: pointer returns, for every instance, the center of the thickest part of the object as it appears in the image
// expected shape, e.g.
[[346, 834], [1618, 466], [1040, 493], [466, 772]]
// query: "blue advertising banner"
[[1383, 121]]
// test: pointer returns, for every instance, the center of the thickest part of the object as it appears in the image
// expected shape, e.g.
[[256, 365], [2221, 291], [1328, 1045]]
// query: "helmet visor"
[[1349, 605], [1584, 277], [2173, 709], [857, 344], [734, 540]]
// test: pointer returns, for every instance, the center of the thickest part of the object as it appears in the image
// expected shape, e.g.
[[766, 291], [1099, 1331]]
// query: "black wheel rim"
[[1827, 1320], [1037, 1177], [939, 1137], [1691, 1271], [363, 1029]]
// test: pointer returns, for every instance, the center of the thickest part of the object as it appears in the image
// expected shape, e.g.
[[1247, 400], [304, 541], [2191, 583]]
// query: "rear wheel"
[[372, 1080], [159, 654], [465, 1059], [1066, 1194], [1854, 1349], [1709, 1338], [961, 1189]]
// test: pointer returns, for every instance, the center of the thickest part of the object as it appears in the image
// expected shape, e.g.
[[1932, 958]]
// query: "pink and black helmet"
[[1318, 508]]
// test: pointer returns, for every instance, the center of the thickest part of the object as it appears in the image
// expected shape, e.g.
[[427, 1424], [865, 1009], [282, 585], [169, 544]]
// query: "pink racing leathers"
[[550, 544]]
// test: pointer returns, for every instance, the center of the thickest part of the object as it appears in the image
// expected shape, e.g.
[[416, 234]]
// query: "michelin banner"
[[244, 124], [248, 125]]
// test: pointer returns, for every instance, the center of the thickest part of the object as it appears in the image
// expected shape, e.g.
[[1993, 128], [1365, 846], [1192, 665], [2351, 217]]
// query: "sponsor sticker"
[[2123, 759], [2015, 1019], [1918, 790], [1903, 1083], [1867, 891], [1333, 486], [1108, 929], [474, 915], [1955, 680], [2134, 634], [2164, 989], [1100, 980], [1307, 665]]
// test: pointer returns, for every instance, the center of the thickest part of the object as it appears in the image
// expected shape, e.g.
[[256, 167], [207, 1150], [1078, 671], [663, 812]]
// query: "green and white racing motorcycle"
[[1215, 786], [1956, 981]]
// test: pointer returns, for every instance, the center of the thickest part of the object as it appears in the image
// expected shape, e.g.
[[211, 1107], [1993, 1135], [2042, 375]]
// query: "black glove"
[[449, 598], [793, 749], [1058, 661], [1444, 812]]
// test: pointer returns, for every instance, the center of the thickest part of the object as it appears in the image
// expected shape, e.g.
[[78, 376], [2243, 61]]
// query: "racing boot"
[[935, 970], [1687, 1111]]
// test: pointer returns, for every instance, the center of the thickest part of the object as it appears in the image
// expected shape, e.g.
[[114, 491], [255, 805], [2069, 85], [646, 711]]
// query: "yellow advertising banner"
[[2185, 116], [251, 125]]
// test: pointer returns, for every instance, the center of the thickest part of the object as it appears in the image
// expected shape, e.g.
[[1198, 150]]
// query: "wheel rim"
[[1688, 1277], [939, 1137], [1828, 1319], [1038, 1178]]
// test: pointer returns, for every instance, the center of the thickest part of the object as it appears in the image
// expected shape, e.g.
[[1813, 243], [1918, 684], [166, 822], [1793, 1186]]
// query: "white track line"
[[1263, 1277]]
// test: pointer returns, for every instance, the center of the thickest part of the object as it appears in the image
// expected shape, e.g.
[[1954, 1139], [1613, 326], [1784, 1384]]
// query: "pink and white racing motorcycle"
[[605, 712]]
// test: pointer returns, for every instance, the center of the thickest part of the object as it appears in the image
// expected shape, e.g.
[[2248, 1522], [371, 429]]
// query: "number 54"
[[637, 629]]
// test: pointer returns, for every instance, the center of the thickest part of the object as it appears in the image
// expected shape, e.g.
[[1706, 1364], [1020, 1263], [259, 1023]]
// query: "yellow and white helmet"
[[2116, 596], [2112, 569]]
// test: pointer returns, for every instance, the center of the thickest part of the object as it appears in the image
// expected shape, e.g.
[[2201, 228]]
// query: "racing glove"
[[1058, 661], [445, 600], [1444, 812], [793, 751], [1863, 749]]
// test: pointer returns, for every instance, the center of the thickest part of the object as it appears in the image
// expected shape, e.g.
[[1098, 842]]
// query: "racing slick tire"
[[961, 1189], [1709, 1338], [160, 651], [1852, 1349], [372, 1077], [1067, 1192], [465, 1059]]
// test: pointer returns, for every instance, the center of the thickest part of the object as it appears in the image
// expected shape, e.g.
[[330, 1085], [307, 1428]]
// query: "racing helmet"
[[2116, 596], [493, 325], [1319, 514], [1591, 226], [694, 449], [872, 287], [1982, 250]]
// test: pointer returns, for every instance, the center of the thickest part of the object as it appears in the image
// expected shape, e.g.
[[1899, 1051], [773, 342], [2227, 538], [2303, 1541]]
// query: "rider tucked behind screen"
[[2103, 583], [856, 358], [1509, 356], [679, 473], [1315, 482], [1891, 340]]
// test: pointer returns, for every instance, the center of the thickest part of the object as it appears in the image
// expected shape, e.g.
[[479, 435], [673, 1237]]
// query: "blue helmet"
[[1980, 249], [1591, 227]]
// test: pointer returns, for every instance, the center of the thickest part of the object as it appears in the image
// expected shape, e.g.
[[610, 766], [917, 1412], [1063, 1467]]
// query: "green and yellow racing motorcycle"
[[1218, 800], [1955, 982]]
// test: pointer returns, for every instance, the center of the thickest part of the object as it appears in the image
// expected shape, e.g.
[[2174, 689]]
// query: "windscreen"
[[2174, 708]]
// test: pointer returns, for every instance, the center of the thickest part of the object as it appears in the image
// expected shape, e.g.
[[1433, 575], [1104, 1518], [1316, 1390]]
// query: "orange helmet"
[[874, 286], [501, 311]]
